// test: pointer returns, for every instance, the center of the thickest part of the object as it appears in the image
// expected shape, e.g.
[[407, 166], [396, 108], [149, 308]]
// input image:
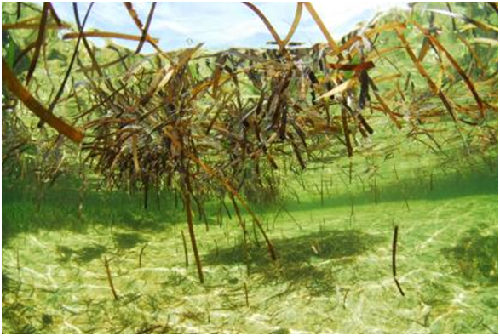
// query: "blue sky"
[[223, 24]]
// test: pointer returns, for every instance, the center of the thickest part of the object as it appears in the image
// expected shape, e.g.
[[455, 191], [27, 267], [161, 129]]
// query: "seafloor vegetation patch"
[[476, 256]]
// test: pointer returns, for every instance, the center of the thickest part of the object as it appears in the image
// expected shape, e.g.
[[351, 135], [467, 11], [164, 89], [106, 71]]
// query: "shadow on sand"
[[299, 256]]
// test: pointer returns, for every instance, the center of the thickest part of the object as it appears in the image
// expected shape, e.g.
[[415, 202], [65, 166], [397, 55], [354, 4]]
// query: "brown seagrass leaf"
[[368, 33], [104, 66], [39, 41], [295, 23], [465, 18], [55, 16], [432, 86], [485, 40], [30, 25], [145, 35], [31, 22], [338, 89], [455, 64], [385, 107], [106, 34], [133, 14], [345, 130], [138, 23], [424, 50], [271, 161], [386, 78], [296, 150], [137, 167], [68, 71], [365, 124], [220, 61], [13, 84], [364, 92], [352, 67], [91, 54], [24, 52], [346, 45], [266, 22], [321, 25], [164, 75], [228, 186], [300, 133]]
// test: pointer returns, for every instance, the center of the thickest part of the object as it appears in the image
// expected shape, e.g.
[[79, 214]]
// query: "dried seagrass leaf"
[[297, 152], [300, 133], [133, 14], [56, 17], [485, 40], [365, 124], [209, 170], [455, 64], [465, 18], [271, 161], [364, 81], [473, 52], [338, 89], [107, 65], [433, 87], [29, 25], [24, 52], [385, 107], [137, 166], [145, 35], [295, 23], [268, 24], [80, 34], [220, 61], [164, 75], [353, 67], [321, 25], [368, 33], [39, 41], [106, 34], [345, 129], [425, 49], [387, 78], [13, 84], [68, 71]]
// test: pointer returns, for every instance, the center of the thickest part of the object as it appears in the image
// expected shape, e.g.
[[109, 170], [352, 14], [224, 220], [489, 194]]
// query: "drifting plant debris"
[[394, 249], [110, 278], [140, 254]]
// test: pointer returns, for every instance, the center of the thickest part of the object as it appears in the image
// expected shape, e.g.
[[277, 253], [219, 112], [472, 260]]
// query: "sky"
[[221, 25]]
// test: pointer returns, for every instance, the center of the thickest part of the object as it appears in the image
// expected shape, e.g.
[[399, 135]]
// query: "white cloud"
[[176, 27], [337, 14], [235, 33]]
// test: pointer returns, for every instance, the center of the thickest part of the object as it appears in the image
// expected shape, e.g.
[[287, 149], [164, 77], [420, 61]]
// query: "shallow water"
[[333, 275]]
